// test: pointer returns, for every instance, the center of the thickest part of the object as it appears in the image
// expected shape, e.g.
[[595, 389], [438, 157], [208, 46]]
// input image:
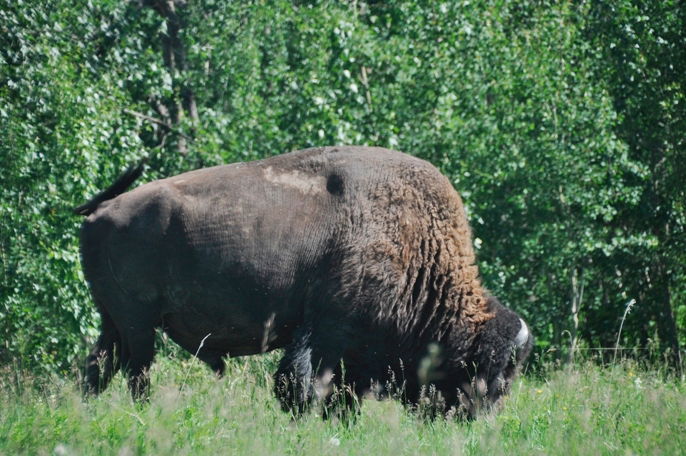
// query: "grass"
[[584, 409]]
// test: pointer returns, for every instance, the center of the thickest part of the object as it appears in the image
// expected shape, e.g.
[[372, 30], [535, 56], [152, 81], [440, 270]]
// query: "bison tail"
[[117, 188]]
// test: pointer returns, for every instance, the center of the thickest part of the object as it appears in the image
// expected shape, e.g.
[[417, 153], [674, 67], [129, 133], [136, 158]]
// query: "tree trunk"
[[666, 322], [658, 275], [173, 110], [576, 297]]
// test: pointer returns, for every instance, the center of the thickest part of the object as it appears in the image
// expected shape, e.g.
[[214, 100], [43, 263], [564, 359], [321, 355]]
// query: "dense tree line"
[[561, 123]]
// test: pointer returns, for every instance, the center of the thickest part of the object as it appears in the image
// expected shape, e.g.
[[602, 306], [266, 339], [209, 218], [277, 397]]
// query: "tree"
[[643, 46]]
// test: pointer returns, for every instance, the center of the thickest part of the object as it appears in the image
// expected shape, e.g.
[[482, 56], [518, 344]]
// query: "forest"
[[562, 125]]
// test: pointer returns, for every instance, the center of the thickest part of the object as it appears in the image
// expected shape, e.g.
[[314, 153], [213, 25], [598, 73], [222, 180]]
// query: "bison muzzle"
[[357, 261]]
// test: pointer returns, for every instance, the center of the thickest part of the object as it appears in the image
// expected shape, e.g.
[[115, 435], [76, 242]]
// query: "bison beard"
[[357, 261]]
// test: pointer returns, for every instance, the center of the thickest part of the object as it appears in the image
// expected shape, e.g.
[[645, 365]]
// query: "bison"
[[357, 261]]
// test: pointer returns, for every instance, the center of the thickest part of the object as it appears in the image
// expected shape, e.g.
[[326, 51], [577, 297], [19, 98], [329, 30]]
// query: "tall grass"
[[584, 409]]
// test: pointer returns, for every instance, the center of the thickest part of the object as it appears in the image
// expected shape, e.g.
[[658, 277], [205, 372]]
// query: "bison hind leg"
[[103, 360], [137, 355]]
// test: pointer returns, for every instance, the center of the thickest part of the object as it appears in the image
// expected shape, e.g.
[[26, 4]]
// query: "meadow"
[[578, 409]]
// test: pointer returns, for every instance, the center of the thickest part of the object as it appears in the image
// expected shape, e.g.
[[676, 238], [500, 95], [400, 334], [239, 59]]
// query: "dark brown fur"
[[360, 255]]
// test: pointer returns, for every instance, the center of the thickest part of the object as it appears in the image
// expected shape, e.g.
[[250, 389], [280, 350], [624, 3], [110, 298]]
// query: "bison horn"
[[522, 335]]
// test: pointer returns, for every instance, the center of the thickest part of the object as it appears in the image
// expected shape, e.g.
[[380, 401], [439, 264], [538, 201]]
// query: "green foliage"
[[561, 124], [583, 409], [63, 136], [644, 48]]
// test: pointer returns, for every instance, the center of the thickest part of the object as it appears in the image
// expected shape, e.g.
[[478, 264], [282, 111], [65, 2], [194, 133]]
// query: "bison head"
[[474, 378], [500, 348]]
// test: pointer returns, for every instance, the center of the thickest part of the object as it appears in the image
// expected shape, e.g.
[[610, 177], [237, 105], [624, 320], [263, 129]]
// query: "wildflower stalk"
[[202, 342], [629, 305]]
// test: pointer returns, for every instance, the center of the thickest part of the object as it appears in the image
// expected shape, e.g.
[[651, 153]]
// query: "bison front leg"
[[293, 379], [345, 401], [309, 367]]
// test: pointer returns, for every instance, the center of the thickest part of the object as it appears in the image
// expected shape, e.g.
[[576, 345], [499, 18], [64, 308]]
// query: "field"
[[584, 409]]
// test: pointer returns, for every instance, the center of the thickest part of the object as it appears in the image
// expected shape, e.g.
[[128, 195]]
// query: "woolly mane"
[[410, 238]]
